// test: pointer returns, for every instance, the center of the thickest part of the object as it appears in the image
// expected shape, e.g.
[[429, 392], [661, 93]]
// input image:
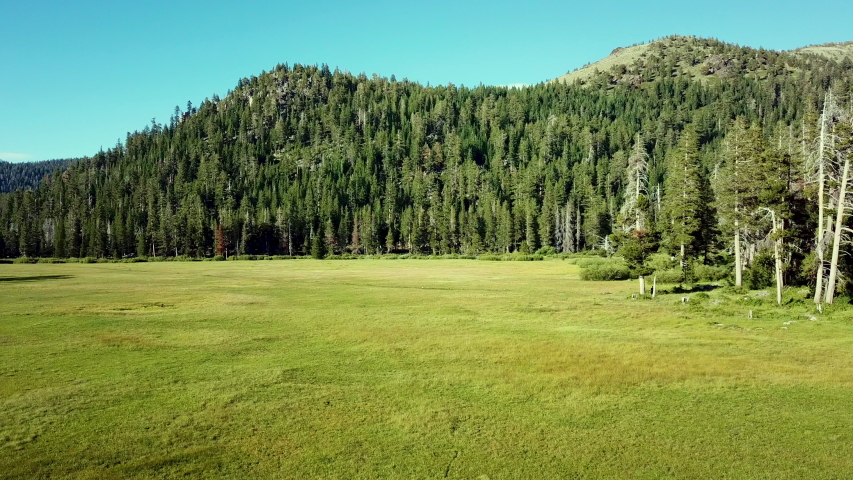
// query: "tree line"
[[735, 167]]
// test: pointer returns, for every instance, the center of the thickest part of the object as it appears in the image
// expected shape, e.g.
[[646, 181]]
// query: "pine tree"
[[684, 206]]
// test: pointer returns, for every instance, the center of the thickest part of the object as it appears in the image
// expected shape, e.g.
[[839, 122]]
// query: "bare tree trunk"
[[821, 180], [777, 254], [578, 231], [642, 285], [738, 259], [836, 241]]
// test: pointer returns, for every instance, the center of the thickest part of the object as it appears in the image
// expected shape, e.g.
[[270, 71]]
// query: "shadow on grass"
[[37, 278], [689, 289]]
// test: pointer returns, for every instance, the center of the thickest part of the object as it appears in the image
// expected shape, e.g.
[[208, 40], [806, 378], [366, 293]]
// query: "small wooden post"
[[642, 285], [654, 286]]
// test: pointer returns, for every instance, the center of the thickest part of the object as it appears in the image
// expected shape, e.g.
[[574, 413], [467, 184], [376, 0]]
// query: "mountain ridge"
[[697, 57]]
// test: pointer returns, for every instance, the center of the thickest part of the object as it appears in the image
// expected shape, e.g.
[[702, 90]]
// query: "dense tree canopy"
[[303, 159]]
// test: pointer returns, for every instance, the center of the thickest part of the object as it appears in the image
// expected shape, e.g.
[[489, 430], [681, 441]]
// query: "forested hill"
[[302, 158], [27, 175], [707, 60]]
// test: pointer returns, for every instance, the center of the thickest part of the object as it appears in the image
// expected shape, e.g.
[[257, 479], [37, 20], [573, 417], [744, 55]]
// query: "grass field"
[[408, 369]]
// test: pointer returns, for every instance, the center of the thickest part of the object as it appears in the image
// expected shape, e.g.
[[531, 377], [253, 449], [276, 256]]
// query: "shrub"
[[669, 276], [711, 273], [761, 273], [51, 260], [219, 258], [25, 260], [586, 262], [88, 260], [605, 272], [546, 251], [661, 261], [489, 257]]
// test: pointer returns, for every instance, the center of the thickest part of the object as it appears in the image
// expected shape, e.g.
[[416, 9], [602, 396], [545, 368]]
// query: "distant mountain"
[[28, 175], [705, 60]]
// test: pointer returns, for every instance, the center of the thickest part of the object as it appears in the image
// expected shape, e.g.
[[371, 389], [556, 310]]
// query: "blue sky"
[[77, 76]]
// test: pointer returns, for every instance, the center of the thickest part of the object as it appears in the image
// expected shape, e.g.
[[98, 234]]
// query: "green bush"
[[88, 260], [661, 261], [546, 251], [669, 276], [605, 272], [761, 274], [586, 262], [489, 257], [711, 273], [182, 258], [219, 258], [25, 260], [51, 260]]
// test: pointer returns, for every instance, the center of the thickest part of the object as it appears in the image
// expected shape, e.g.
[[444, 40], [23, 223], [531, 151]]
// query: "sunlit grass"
[[411, 369]]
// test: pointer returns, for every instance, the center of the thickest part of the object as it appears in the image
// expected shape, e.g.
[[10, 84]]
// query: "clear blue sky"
[[76, 76]]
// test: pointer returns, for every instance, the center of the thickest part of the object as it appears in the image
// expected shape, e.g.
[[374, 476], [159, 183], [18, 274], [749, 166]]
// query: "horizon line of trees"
[[304, 158]]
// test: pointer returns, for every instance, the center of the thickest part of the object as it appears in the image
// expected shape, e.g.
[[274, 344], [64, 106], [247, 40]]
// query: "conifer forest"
[[713, 153]]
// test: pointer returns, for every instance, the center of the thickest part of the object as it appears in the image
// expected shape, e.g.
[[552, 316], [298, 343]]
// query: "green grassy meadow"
[[409, 369]]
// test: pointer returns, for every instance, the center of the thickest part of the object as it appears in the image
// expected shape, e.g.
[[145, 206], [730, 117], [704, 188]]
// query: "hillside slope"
[[701, 59], [28, 175]]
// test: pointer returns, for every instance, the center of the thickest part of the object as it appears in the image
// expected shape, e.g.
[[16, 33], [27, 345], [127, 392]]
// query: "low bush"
[[586, 262], [661, 261], [182, 258], [669, 276], [711, 273], [546, 251], [25, 260], [51, 260], [606, 271], [88, 260]]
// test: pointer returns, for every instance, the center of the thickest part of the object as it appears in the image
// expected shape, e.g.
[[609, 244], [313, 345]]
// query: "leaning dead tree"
[[830, 168], [819, 171]]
